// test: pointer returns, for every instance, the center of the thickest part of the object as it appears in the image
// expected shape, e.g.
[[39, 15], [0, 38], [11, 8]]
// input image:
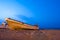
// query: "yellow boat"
[[14, 24]]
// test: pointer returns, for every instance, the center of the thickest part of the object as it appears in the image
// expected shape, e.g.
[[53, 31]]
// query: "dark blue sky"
[[45, 13]]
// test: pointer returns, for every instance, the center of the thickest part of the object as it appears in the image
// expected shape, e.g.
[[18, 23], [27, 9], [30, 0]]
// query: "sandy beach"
[[7, 34]]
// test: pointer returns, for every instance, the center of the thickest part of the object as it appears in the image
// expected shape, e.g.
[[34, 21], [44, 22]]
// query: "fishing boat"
[[14, 24]]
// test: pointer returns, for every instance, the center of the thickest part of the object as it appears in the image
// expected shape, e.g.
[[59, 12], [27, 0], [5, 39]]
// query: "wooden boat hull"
[[12, 24]]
